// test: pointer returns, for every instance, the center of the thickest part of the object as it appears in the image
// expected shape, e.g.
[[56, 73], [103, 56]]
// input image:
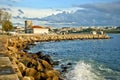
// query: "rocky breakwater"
[[66, 37], [28, 66], [37, 66]]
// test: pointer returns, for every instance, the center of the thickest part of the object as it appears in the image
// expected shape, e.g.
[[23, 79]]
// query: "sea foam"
[[82, 71]]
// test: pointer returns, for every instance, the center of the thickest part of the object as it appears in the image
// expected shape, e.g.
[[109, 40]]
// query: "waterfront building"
[[40, 30]]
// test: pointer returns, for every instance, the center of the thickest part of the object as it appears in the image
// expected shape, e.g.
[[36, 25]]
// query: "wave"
[[83, 71]]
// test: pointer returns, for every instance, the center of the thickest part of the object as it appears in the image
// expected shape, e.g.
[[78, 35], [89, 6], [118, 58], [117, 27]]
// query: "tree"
[[1, 16], [7, 25], [5, 21]]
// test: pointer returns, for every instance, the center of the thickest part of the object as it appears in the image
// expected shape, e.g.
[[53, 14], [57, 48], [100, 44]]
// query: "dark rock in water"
[[48, 59], [32, 44], [64, 68], [27, 48], [69, 63], [40, 54], [54, 53], [24, 50], [56, 63]]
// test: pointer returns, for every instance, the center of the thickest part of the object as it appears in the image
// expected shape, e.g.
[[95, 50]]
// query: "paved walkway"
[[6, 70]]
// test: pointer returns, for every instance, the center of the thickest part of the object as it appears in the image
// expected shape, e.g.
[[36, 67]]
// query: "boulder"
[[40, 67], [65, 67], [34, 56], [37, 76], [69, 63], [21, 67], [49, 79], [12, 49], [55, 78], [56, 63], [46, 65], [28, 78], [48, 59], [30, 72], [40, 54], [43, 76], [52, 73]]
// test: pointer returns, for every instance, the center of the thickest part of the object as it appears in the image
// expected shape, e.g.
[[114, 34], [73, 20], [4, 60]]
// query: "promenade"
[[6, 70]]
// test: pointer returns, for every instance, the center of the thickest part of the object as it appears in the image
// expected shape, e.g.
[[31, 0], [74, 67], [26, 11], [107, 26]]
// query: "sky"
[[29, 9], [42, 4]]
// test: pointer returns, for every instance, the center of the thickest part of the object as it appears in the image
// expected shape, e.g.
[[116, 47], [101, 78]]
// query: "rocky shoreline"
[[37, 66]]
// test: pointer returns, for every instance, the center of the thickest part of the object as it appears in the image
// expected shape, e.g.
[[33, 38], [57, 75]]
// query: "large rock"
[[28, 78], [12, 49], [49, 79], [40, 54], [34, 56], [55, 78], [40, 67], [21, 67], [46, 65], [43, 76], [48, 59], [30, 72], [52, 73], [37, 76]]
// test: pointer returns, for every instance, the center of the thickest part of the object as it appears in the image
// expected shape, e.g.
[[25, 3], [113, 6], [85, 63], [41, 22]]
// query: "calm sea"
[[90, 59]]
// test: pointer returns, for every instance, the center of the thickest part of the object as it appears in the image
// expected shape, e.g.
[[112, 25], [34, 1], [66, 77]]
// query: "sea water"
[[97, 59]]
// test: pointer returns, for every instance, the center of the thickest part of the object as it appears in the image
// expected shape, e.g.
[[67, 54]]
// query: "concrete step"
[[6, 69], [9, 77], [5, 61]]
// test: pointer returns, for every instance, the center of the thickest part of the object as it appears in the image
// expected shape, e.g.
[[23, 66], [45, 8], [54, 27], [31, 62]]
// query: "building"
[[28, 25], [37, 30], [40, 30], [29, 28]]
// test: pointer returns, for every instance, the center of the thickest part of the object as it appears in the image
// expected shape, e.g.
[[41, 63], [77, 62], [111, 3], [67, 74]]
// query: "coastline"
[[35, 66]]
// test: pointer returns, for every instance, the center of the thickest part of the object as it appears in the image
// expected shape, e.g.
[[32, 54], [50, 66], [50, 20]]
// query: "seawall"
[[36, 66]]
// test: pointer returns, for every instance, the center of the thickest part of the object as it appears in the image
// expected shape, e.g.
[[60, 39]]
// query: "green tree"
[[5, 21], [7, 25]]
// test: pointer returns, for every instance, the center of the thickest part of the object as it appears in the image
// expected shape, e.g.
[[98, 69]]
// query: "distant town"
[[30, 28]]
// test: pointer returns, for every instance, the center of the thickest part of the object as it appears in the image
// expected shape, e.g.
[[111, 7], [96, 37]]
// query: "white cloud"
[[35, 13]]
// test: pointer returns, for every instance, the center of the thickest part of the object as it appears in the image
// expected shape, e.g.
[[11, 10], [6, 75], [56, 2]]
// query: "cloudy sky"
[[63, 12]]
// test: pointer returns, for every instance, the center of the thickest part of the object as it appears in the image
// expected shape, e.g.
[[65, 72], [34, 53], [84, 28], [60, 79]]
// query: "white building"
[[39, 30]]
